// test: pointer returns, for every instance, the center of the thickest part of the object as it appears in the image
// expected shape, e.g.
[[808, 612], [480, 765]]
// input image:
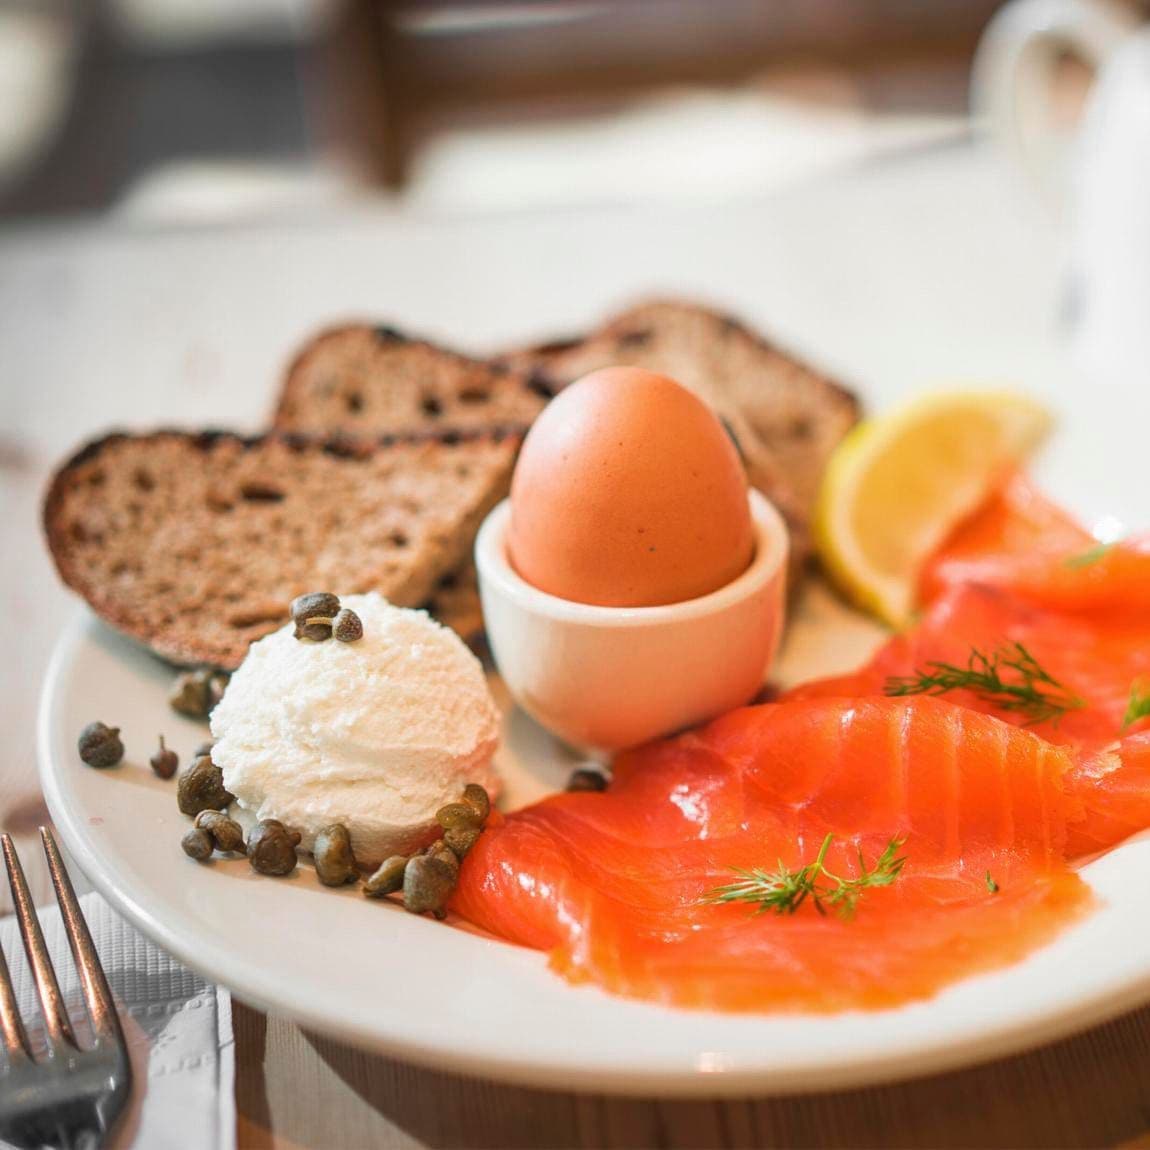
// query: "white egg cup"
[[605, 678]]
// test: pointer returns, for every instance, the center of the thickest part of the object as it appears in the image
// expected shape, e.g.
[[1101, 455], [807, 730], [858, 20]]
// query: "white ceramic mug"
[[1098, 179]]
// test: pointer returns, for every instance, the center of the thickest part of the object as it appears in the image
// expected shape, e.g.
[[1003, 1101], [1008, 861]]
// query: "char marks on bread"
[[195, 544], [362, 380]]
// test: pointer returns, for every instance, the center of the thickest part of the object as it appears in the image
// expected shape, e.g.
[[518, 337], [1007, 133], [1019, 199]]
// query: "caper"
[[314, 605], [201, 788], [225, 832], [584, 780], [428, 881], [457, 815], [440, 850], [195, 693], [189, 694], [317, 632], [334, 858], [164, 762], [271, 848], [477, 797], [100, 745], [388, 879], [461, 839], [197, 844], [347, 626]]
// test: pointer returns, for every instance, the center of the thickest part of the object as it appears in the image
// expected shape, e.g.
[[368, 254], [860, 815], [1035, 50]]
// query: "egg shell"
[[629, 493]]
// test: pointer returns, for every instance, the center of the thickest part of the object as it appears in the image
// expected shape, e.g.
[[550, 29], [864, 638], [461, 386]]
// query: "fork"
[[71, 1096]]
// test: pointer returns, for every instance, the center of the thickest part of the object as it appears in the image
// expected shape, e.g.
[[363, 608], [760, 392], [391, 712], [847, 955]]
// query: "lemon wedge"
[[898, 484]]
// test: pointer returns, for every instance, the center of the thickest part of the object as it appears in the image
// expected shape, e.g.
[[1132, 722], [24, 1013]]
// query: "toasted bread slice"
[[363, 380], [786, 417], [455, 601], [196, 544]]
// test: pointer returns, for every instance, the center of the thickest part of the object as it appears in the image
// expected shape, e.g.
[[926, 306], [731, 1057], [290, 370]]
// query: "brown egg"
[[629, 493]]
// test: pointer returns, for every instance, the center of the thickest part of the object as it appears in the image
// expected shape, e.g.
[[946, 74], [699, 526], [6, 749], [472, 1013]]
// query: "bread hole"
[[143, 480], [261, 491], [462, 470], [79, 532], [802, 428], [431, 407], [96, 479], [205, 440], [354, 402], [555, 346], [120, 567], [257, 616], [639, 337], [541, 385], [344, 447], [398, 539], [473, 395]]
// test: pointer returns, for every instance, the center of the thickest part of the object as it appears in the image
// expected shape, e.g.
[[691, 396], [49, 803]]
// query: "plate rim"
[[915, 1058]]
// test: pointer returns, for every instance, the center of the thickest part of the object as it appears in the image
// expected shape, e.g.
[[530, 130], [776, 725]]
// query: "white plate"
[[372, 974]]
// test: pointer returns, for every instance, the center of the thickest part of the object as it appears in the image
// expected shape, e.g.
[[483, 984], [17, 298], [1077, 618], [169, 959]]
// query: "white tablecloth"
[[178, 1026]]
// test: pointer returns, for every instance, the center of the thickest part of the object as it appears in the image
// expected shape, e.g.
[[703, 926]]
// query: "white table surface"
[[937, 269]]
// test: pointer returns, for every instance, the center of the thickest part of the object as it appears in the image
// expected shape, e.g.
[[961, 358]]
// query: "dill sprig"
[[784, 890], [1031, 691], [1088, 557], [1139, 705], [991, 885]]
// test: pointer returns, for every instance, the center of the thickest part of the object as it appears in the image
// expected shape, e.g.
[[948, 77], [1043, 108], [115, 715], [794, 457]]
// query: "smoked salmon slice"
[[1021, 541], [618, 886], [1022, 575], [1098, 658], [1112, 784], [1015, 525]]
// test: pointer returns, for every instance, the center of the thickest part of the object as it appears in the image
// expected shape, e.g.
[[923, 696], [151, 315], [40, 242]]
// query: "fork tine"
[[11, 1028], [102, 1012], [51, 1000]]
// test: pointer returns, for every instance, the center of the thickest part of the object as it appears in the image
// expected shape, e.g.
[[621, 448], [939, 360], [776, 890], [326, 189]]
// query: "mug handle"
[[1014, 69]]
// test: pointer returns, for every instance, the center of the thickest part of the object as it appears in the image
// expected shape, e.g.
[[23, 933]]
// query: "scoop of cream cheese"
[[376, 734]]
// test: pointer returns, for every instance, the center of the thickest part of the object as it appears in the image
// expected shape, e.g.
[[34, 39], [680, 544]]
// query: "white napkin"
[[178, 1026]]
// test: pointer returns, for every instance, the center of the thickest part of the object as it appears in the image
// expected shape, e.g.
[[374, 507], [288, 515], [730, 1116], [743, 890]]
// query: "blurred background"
[[184, 110]]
